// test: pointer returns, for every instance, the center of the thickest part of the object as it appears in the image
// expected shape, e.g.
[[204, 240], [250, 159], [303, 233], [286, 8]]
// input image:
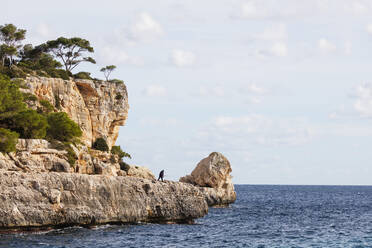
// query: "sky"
[[282, 88]]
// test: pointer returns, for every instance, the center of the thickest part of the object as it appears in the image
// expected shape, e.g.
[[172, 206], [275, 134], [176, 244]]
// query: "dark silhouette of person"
[[161, 176]]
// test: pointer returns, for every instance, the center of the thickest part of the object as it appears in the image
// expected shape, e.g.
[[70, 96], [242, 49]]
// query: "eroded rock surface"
[[36, 155], [100, 108], [66, 199], [212, 175], [140, 172]]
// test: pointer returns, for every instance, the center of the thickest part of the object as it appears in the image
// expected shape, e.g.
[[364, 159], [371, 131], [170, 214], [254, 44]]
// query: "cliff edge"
[[48, 184]]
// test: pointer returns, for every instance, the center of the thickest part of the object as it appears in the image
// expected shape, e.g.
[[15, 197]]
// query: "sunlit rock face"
[[100, 108], [37, 200], [213, 176]]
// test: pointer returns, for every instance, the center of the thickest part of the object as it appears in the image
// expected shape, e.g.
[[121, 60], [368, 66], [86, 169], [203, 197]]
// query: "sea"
[[262, 216]]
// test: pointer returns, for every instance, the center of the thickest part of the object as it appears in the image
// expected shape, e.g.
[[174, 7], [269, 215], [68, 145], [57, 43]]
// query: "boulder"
[[140, 172], [212, 175]]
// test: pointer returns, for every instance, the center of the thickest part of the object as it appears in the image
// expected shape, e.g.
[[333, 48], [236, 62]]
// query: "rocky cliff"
[[99, 108], [41, 187], [40, 200]]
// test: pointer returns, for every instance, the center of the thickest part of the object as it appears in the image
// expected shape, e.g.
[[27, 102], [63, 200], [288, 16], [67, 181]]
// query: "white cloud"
[[245, 93], [168, 122], [144, 29], [252, 10], [279, 49], [155, 91], [326, 46], [116, 55], [273, 33], [348, 47], [363, 102], [369, 28], [182, 58], [216, 91], [43, 30], [254, 129], [252, 89], [356, 7]]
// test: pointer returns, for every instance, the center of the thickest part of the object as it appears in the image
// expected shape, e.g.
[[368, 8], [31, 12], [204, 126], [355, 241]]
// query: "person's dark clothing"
[[161, 176]]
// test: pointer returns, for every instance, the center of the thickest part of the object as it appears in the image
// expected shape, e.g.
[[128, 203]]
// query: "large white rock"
[[212, 175]]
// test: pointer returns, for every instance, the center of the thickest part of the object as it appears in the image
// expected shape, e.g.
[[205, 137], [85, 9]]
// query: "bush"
[[13, 72], [46, 107], [117, 151], [8, 140], [124, 166], [58, 102], [11, 98], [101, 145], [62, 128], [65, 146], [118, 96], [59, 73], [29, 97], [82, 75], [116, 81], [30, 124]]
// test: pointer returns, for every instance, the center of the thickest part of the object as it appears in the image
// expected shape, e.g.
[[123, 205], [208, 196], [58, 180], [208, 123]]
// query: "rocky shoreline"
[[40, 188], [34, 201]]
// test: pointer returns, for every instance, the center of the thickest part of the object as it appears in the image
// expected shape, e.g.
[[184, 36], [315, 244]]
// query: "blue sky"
[[282, 88]]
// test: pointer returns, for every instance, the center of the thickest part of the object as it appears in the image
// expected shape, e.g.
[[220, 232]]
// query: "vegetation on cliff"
[[24, 115], [54, 58]]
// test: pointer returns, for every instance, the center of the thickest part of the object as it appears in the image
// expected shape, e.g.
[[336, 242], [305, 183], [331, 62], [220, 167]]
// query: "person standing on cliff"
[[161, 176]]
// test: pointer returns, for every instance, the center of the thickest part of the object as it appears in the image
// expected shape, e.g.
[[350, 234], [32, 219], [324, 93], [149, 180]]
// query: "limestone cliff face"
[[100, 108], [40, 186]]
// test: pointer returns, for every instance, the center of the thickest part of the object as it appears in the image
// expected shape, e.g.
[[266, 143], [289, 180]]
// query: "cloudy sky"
[[283, 88]]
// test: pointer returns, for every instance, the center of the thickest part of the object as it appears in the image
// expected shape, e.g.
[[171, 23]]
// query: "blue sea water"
[[263, 216]]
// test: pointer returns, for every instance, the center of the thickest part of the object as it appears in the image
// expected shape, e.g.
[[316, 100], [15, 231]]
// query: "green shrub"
[[82, 75], [101, 145], [59, 73], [29, 97], [58, 102], [116, 81], [71, 155], [65, 146], [46, 107], [8, 140], [13, 72], [62, 128], [117, 151], [118, 96], [11, 98], [124, 166], [30, 124]]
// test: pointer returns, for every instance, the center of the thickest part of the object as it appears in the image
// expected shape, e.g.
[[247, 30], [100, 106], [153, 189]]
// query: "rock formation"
[[39, 200], [99, 108], [140, 172], [212, 175], [50, 184]]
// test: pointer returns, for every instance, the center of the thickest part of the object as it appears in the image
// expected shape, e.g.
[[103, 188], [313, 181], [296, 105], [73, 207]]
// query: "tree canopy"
[[11, 99], [62, 128], [11, 36], [108, 70], [70, 51]]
